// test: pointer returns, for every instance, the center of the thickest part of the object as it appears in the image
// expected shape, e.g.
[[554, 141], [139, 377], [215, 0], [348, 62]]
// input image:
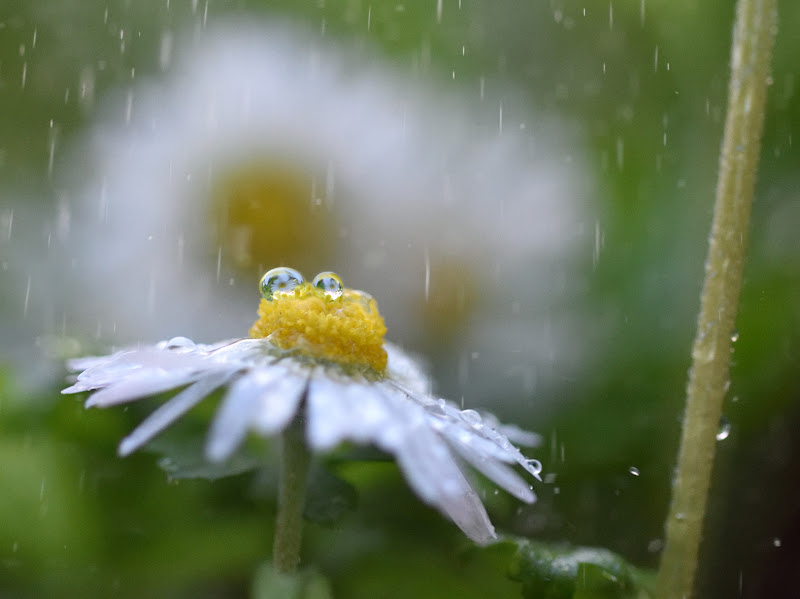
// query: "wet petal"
[[264, 400], [340, 411], [432, 472], [494, 470], [138, 385], [171, 411]]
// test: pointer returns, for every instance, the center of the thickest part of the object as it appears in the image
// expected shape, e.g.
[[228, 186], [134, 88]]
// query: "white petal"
[[260, 399], [171, 411], [478, 425], [494, 470], [435, 476], [279, 402], [137, 385], [514, 433], [406, 370], [339, 411]]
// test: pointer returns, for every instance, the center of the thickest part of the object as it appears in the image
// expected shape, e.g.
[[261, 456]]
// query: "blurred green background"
[[642, 87]]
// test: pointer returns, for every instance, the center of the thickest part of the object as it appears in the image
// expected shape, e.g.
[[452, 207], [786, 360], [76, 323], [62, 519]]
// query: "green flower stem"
[[295, 460], [753, 39]]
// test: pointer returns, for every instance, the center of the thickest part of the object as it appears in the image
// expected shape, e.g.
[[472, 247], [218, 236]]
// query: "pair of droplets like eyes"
[[284, 280]]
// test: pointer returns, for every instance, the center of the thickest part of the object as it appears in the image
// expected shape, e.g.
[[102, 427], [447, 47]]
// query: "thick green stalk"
[[753, 39], [295, 459]]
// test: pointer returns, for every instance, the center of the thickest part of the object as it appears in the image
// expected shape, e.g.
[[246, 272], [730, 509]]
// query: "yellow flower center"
[[321, 320]]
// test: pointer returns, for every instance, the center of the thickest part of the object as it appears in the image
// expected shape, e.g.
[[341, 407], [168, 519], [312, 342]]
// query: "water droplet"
[[724, 429], [634, 470], [535, 466], [472, 417], [776, 542], [330, 283], [735, 335], [181, 344], [279, 281]]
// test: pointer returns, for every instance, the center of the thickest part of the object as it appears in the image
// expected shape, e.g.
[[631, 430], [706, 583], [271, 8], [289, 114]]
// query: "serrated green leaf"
[[548, 572]]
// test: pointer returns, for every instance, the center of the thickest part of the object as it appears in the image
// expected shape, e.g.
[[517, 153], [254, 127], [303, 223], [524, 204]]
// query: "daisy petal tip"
[[126, 447], [483, 537]]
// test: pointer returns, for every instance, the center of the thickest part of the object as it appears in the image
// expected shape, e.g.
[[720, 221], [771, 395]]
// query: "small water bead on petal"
[[330, 283], [181, 344], [280, 281], [472, 417], [535, 467]]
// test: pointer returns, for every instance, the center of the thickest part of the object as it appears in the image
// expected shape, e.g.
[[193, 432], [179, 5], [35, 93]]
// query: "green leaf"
[[269, 583], [184, 457], [328, 497], [549, 572]]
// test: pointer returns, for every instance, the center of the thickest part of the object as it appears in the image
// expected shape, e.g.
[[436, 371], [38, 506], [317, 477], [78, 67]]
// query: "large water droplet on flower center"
[[281, 280], [330, 283]]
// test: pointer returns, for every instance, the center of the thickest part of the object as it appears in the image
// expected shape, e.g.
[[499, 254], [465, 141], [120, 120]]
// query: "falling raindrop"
[[724, 429], [735, 336], [634, 470], [776, 542]]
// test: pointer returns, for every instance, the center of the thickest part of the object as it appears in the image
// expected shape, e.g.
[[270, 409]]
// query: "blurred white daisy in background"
[[317, 352], [262, 145]]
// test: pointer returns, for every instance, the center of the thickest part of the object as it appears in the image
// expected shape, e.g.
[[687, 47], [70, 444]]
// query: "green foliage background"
[[645, 84]]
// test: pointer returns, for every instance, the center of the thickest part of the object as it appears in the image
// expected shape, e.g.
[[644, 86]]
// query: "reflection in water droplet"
[[536, 466], [330, 283], [281, 280], [634, 470], [724, 429]]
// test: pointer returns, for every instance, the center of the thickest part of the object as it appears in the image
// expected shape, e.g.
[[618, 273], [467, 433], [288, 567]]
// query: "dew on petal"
[[472, 417], [536, 466], [181, 344]]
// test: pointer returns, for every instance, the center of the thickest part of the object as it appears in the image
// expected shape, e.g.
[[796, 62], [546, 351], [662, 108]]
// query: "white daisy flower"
[[260, 135], [317, 353]]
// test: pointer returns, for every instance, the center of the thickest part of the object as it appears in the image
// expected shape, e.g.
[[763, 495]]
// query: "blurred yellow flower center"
[[321, 319], [258, 211]]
